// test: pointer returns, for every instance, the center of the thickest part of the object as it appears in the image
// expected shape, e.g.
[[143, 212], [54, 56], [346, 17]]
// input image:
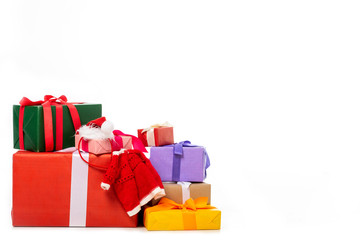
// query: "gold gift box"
[[193, 214]]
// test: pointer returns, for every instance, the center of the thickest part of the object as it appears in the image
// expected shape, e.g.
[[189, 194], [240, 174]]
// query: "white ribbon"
[[150, 137], [185, 186], [79, 185]]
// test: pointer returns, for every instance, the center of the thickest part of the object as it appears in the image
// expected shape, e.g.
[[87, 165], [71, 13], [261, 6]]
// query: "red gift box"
[[60, 189], [156, 135]]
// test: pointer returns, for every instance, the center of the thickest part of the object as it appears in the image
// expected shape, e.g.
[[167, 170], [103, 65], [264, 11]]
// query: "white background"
[[271, 88]]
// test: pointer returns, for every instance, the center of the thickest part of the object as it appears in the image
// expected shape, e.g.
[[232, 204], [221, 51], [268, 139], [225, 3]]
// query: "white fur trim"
[[105, 186], [91, 132], [107, 127], [134, 211], [119, 152], [158, 192]]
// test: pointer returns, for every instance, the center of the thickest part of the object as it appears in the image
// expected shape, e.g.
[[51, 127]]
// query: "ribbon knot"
[[178, 153], [178, 147], [190, 204], [156, 125], [49, 98]]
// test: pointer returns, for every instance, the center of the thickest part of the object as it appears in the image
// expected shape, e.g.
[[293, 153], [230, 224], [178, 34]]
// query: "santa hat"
[[99, 128]]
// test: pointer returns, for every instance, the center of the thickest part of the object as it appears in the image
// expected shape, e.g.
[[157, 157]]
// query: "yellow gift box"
[[193, 214]]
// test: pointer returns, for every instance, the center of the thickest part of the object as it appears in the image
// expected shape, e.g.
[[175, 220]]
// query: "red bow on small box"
[[49, 101]]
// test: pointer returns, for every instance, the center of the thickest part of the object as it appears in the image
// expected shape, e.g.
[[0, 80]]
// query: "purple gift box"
[[180, 162]]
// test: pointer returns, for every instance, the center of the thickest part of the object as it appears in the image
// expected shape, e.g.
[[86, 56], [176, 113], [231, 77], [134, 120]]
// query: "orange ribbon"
[[188, 209]]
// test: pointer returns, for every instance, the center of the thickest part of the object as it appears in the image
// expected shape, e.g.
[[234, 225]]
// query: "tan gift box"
[[181, 191]]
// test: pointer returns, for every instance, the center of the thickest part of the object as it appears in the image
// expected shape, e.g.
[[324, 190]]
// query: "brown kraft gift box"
[[174, 191]]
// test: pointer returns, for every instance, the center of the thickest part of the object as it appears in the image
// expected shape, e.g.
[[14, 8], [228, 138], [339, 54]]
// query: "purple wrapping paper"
[[193, 163]]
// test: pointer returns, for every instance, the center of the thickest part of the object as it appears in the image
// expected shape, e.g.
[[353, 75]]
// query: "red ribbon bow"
[[49, 101]]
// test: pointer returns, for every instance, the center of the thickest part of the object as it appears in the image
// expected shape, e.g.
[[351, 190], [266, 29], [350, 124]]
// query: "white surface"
[[271, 88]]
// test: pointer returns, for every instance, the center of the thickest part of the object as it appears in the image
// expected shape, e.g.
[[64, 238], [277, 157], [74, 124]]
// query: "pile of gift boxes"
[[56, 181]]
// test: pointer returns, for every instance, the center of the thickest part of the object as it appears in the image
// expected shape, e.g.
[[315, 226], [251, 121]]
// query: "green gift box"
[[33, 125]]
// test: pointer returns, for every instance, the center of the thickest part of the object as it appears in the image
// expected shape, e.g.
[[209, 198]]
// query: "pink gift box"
[[101, 146]]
